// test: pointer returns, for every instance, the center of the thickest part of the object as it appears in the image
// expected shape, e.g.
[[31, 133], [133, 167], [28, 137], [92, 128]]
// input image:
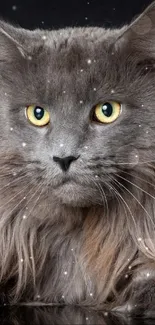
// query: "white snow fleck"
[[139, 239], [87, 318], [22, 260], [91, 294], [86, 18], [96, 176], [5, 94], [44, 37], [14, 174], [148, 274], [81, 70], [65, 273], [61, 145], [89, 61], [31, 257], [94, 89], [72, 249], [64, 91], [81, 101], [86, 147], [38, 297], [126, 276], [14, 7], [142, 105], [24, 216], [105, 313], [11, 129], [63, 297], [29, 57], [129, 267], [24, 144], [140, 126], [112, 91]]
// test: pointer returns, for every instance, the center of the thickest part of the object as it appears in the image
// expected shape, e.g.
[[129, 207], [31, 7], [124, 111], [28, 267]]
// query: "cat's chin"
[[77, 195]]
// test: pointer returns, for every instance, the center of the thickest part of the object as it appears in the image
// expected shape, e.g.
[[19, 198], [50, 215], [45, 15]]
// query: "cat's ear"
[[139, 36], [15, 42]]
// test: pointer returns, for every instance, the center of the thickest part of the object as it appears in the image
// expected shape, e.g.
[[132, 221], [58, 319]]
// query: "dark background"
[[61, 13], [56, 14]]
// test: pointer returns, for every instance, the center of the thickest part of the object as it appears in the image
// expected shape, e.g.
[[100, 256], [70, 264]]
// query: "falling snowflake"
[[24, 144], [14, 7], [89, 61]]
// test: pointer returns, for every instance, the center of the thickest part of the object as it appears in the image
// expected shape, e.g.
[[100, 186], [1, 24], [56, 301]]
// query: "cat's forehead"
[[78, 44]]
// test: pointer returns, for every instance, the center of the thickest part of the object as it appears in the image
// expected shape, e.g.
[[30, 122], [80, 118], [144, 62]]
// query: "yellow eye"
[[107, 112], [37, 115]]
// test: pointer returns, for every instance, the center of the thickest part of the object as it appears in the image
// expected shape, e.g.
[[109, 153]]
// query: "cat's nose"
[[65, 162]]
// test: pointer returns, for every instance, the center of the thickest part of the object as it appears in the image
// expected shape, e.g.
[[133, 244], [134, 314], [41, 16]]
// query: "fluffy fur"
[[85, 236]]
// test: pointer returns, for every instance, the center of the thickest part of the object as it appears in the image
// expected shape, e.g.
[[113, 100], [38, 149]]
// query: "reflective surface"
[[65, 315]]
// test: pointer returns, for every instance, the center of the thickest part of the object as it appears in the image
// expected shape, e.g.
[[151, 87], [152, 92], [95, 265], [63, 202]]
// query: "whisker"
[[136, 200], [12, 182], [135, 176], [112, 179], [153, 197]]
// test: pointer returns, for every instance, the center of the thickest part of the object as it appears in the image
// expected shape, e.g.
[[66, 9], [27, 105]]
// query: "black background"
[[56, 14], [61, 13]]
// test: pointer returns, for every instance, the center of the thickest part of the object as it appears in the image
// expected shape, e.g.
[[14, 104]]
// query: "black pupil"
[[107, 109], [38, 112]]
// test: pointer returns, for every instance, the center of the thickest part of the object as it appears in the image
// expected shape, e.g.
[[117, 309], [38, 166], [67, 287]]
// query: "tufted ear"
[[139, 36], [18, 42], [11, 42]]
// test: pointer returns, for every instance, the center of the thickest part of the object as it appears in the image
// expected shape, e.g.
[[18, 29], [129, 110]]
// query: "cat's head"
[[77, 107]]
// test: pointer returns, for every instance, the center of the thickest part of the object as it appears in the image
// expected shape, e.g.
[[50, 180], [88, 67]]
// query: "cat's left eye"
[[37, 115], [106, 112]]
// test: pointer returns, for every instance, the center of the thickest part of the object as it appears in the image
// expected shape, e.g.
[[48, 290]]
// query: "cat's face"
[[67, 73]]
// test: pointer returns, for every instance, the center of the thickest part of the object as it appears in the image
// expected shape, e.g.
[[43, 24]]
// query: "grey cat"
[[77, 153]]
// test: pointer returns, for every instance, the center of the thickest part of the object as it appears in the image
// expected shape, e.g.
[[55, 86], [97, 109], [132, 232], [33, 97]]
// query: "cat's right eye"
[[37, 115], [106, 112]]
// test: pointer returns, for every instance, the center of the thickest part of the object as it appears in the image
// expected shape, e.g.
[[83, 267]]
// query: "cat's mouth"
[[66, 180]]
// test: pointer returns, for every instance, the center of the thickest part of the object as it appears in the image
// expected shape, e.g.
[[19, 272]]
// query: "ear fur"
[[139, 36]]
